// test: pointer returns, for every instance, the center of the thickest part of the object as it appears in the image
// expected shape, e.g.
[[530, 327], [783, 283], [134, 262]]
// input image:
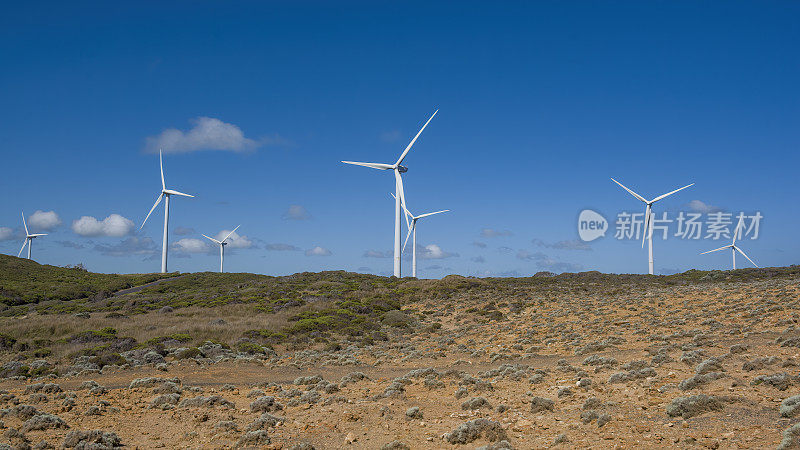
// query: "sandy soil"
[[657, 338]]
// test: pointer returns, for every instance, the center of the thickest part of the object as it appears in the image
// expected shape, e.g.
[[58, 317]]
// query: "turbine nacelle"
[[172, 192], [398, 169]]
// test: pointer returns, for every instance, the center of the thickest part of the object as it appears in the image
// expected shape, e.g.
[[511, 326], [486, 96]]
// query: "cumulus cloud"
[[701, 207], [433, 251], [70, 244], [296, 212], [113, 226], [281, 247], [318, 251], [235, 240], [192, 245], [184, 231], [6, 233], [491, 232], [44, 220], [544, 261], [207, 133], [378, 254], [390, 136], [129, 246], [564, 245]]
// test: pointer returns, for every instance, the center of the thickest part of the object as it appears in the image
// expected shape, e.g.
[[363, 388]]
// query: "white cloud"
[[546, 262], [114, 226], [206, 134], [433, 251], [282, 247], [318, 251], [390, 136], [184, 231], [192, 245], [6, 233], [378, 254], [564, 245], [701, 207], [490, 232], [44, 220], [235, 240], [297, 212], [70, 244], [130, 246]]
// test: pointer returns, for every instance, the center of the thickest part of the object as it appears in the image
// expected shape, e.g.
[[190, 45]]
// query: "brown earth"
[[660, 327]]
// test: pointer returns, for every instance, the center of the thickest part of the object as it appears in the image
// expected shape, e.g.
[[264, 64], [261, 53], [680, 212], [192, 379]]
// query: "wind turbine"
[[222, 245], [648, 222], [28, 238], [398, 186], [165, 193], [734, 248], [412, 230]]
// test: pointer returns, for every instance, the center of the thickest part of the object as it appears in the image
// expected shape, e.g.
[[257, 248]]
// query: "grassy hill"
[[23, 281], [294, 311]]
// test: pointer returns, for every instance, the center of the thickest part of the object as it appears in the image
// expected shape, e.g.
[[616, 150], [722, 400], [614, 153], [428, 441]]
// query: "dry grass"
[[194, 321]]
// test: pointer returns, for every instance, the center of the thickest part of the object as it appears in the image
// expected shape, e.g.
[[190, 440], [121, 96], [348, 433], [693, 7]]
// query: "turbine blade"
[[630, 191], [738, 227], [645, 230], [399, 180], [717, 249], [407, 212], [171, 192], [23, 247], [379, 166], [745, 255], [670, 193], [161, 165], [430, 214], [24, 224], [218, 242], [229, 234], [37, 235], [158, 200], [410, 230], [405, 152]]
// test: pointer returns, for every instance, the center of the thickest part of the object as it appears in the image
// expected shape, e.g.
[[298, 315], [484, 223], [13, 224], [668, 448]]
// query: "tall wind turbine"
[[165, 194], [412, 230], [647, 232], [28, 238], [734, 248], [398, 186], [222, 245]]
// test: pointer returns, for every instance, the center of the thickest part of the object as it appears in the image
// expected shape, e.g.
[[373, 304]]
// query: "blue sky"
[[540, 103]]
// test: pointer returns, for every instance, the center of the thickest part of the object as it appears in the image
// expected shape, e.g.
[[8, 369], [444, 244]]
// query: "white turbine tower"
[[412, 230], [398, 186], [647, 231], [165, 193], [222, 245], [734, 248], [28, 238]]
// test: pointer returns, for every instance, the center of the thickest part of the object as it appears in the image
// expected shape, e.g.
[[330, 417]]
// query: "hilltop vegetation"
[[23, 281], [586, 360]]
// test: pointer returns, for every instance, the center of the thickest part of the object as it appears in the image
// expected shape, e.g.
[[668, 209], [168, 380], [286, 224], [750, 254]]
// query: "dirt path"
[[139, 288]]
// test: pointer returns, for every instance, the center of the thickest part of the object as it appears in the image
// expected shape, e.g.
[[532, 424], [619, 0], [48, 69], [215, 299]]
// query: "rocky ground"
[[692, 365]]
